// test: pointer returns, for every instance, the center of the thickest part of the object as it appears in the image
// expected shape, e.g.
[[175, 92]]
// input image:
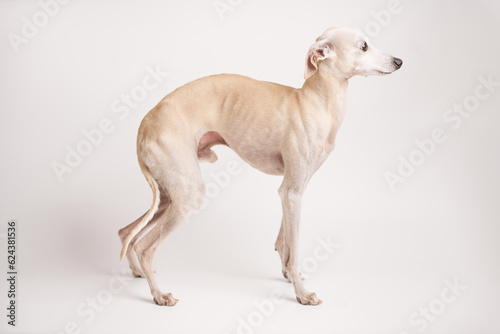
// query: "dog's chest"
[[322, 131]]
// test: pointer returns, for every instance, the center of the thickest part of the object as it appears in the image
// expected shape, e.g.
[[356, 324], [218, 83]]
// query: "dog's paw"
[[165, 299], [309, 298]]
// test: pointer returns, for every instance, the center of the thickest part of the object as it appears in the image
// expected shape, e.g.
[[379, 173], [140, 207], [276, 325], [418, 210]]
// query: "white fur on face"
[[374, 62], [351, 59]]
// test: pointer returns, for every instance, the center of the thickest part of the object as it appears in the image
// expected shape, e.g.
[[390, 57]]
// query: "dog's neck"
[[330, 88]]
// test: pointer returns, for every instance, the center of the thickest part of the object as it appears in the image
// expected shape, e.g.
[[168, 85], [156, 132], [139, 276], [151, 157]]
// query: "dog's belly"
[[267, 162], [258, 156]]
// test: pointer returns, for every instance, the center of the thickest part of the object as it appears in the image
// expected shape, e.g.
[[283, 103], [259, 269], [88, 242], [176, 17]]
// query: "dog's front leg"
[[279, 246], [291, 192]]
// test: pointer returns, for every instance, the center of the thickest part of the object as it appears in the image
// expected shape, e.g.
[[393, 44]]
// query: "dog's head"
[[348, 52]]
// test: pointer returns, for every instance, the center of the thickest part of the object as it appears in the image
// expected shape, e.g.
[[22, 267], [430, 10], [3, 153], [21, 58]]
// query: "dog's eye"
[[364, 47]]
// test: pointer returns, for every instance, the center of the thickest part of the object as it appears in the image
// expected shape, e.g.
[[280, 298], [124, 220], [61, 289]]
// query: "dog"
[[277, 129]]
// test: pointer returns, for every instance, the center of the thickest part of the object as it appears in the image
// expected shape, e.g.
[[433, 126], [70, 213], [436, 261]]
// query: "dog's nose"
[[398, 62]]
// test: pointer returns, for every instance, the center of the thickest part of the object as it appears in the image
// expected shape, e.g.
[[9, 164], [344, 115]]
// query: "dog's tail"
[[151, 212]]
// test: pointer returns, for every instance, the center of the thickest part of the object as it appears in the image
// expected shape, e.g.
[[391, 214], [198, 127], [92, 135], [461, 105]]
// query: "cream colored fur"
[[277, 129]]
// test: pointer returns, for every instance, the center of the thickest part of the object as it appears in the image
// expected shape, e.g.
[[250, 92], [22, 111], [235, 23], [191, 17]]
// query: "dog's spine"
[[151, 211]]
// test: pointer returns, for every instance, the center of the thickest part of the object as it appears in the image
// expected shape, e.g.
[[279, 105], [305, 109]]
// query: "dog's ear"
[[318, 52]]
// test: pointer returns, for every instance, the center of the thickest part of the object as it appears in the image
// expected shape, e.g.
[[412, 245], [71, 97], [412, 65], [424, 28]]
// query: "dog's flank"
[[277, 129]]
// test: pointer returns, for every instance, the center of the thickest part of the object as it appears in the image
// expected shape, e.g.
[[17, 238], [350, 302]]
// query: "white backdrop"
[[418, 254]]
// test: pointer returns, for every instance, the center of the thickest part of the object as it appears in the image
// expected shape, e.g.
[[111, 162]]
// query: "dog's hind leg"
[[182, 180], [124, 232]]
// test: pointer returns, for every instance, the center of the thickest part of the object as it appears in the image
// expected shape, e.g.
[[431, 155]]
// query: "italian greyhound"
[[277, 129]]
